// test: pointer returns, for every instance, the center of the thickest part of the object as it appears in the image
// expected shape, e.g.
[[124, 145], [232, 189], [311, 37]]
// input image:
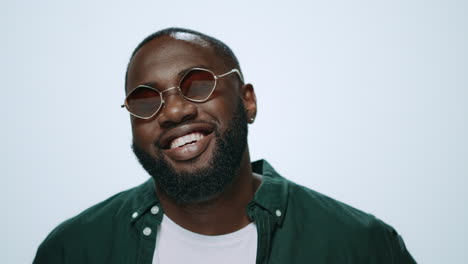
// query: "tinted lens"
[[197, 84], [143, 101]]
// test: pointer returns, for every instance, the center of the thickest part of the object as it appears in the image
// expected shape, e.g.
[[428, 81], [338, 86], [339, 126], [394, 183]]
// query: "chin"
[[192, 165]]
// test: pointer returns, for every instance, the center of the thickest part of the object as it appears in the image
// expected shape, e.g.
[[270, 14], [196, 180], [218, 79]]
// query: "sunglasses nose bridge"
[[167, 90]]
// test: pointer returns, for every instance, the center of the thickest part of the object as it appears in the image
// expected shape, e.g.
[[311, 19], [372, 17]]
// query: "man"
[[206, 202]]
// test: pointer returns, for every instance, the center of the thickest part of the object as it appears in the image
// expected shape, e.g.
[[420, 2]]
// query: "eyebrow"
[[180, 74]]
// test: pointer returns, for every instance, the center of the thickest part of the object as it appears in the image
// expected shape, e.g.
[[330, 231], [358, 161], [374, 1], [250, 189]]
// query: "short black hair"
[[219, 47]]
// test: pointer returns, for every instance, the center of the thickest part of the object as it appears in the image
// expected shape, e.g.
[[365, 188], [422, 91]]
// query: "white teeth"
[[180, 141]]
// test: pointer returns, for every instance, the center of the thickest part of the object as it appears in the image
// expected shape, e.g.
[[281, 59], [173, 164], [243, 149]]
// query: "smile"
[[187, 141]]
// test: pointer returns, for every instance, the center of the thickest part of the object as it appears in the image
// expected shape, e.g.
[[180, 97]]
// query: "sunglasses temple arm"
[[231, 71]]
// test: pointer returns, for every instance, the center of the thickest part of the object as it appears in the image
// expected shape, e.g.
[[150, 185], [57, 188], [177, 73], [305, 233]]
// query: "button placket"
[[155, 210], [147, 231]]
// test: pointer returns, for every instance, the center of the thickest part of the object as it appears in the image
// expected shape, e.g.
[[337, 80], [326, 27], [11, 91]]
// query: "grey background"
[[364, 101]]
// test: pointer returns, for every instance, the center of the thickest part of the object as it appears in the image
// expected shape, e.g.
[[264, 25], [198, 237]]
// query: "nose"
[[176, 109]]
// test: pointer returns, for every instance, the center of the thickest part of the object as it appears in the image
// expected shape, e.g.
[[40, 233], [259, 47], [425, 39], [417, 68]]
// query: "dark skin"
[[161, 63]]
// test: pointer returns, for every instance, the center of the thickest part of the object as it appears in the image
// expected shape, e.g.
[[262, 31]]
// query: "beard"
[[201, 184]]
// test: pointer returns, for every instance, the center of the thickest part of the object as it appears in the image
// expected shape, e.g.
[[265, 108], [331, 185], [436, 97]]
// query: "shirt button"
[[147, 231], [278, 213], [155, 209], [135, 215]]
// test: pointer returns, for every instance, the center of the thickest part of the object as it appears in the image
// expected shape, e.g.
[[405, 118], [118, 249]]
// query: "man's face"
[[220, 122]]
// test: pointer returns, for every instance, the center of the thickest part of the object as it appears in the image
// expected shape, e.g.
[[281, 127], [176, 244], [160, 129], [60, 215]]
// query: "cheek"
[[221, 110], [144, 133]]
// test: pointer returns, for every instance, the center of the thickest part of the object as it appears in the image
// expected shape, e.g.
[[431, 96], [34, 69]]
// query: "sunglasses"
[[196, 85]]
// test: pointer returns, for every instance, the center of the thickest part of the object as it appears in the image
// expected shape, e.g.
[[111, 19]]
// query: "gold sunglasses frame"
[[216, 77]]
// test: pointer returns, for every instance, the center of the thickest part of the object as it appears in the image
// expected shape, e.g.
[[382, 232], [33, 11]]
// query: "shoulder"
[[330, 214], [335, 226], [324, 208], [100, 214], [93, 225]]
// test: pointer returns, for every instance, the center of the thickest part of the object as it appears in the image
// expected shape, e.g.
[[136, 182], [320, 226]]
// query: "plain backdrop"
[[364, 101]]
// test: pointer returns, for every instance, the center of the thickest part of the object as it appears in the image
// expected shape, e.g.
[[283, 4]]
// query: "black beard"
[[204, 183]]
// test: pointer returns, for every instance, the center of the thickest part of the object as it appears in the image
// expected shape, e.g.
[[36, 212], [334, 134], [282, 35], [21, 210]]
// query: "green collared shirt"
[[294, 225]]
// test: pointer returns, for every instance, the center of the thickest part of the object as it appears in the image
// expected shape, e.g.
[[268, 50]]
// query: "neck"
[[224, 213]]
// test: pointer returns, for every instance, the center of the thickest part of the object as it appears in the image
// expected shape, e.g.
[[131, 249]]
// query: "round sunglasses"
[[196, 85]]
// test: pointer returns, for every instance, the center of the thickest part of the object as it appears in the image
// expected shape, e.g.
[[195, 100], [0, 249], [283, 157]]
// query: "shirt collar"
[[145, 199], [272, 194]]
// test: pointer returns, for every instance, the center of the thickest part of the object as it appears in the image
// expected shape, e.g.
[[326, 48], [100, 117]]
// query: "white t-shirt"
[[176, 245]]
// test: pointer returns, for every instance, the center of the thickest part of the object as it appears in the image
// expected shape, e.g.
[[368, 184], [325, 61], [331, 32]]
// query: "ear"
[[250, 101]]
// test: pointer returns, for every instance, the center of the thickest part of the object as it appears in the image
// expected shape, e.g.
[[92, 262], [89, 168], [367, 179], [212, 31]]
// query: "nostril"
[[169, 123], [176, 111]]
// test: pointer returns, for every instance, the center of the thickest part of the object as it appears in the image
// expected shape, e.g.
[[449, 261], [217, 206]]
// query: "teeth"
[[180, 141]]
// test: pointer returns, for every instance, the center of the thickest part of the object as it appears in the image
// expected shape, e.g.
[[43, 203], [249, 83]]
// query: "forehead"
[[162, 60]]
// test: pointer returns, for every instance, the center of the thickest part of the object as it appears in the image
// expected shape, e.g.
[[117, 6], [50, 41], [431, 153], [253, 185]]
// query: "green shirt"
[[294, 225]]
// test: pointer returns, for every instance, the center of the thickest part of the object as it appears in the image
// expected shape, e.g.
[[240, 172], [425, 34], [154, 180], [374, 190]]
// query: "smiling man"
[[205, 201]]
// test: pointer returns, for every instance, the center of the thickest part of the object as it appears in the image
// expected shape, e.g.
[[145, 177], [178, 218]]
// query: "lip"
[[167, 137], [190, 151]]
